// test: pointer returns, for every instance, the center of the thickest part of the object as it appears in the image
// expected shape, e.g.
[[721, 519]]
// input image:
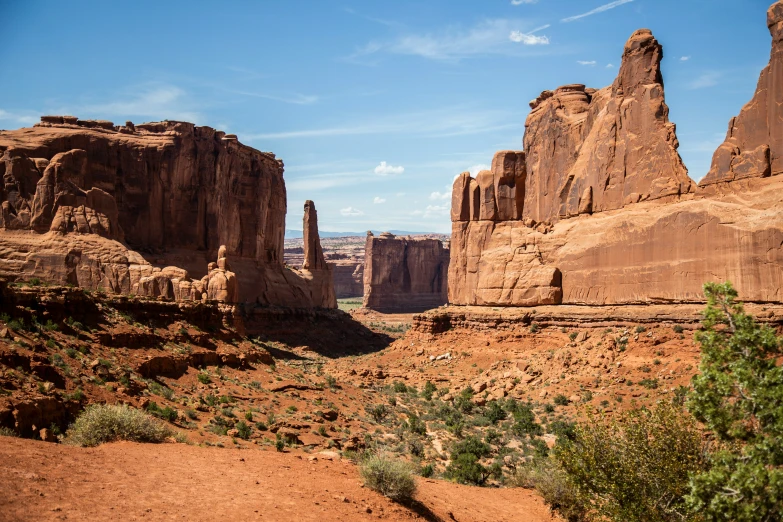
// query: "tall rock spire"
[[754, 142]]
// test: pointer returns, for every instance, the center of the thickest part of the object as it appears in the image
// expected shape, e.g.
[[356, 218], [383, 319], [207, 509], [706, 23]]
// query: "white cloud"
[[599, 9], [351, 212], [454, 43], [610, 66], [520, 2], [433, 211], [378, 200], [475, 169], [583, 62], [528, 39], [684, 58], [444, 122], [707, 79], [385, 169], [440, 195], [400, 194]]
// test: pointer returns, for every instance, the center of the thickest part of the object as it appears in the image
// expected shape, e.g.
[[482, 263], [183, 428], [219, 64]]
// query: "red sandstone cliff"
[[599, 208], [110, 205], [754, 142], [403, 274]]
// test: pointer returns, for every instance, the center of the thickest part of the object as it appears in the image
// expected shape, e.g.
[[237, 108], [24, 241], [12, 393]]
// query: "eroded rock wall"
[[604, 212], [102, 206], [403, 274]]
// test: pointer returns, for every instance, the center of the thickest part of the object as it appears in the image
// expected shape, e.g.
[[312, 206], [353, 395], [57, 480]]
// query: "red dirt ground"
[[128, 481]]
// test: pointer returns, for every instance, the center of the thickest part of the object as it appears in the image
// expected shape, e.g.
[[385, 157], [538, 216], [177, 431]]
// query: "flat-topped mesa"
[[110, 205], [404, 274], [754, 142]]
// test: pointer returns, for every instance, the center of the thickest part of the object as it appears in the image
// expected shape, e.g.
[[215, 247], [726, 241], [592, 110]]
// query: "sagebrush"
[[100, 423]]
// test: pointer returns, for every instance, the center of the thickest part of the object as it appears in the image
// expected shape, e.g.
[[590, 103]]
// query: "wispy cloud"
[[475, 169], [610, 66], [454, 43], [583, 62], [378, 200], [684, 58], [384, 169], [445, 122], [520, 2], [351, 211], [294, 98], [705, 80], [440, 195], [599, 9], [158, 101], [18, 118]]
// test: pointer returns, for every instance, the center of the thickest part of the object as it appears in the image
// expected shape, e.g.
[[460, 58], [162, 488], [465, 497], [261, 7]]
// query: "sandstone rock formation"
[[96, 205], [601, 210], [404, 274], [315, 270], [754, 142]]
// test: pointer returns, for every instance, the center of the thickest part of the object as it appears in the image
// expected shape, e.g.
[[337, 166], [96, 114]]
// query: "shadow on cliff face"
[[330, 333]]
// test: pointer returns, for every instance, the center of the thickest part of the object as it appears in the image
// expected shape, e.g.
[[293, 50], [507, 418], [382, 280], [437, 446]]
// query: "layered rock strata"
[[88, 203], [404, 274], [601, 210]]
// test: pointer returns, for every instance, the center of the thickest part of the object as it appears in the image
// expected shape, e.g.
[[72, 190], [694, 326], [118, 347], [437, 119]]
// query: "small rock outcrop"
[[404, 274], [754, 142]]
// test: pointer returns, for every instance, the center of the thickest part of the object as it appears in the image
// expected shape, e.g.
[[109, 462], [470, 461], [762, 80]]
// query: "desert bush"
[[244, 430], [560, 400], [101, 423], [203, 378], [168, 413], [494, 412], [7, 432], [465, 466], [737, 395], [378, 412], [525, 422], [552, 483], [637, 466], [428, 390], [391, 478]]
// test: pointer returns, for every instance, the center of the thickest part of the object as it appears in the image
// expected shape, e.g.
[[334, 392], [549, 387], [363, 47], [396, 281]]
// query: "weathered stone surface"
[[315, 270], [403, 274], [609, 216], [111, 206], [754, 142]]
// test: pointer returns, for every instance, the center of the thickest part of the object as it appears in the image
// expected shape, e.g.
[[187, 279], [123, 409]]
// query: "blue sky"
[[374, 106]]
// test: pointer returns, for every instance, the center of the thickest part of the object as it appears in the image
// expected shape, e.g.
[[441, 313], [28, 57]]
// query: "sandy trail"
[[127, 481]]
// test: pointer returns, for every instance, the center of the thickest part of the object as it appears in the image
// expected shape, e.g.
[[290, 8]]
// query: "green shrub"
[[560, 400], [16, 324], [635, 468], [331, 382], [168, 413], [534, 328], [494, 412], [378, 412], [427, 471], [640, 329], [244, 430], [203, 378], [678, 329], [279, 443], [390, 478], [465, 466], [416, 425], [525, 423], [572, 336], [428, 390], [101, 423], [648, 383], [7, 432], [738, 395]]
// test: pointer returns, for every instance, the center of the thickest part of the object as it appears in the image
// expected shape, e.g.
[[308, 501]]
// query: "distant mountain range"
[[296, 234]]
